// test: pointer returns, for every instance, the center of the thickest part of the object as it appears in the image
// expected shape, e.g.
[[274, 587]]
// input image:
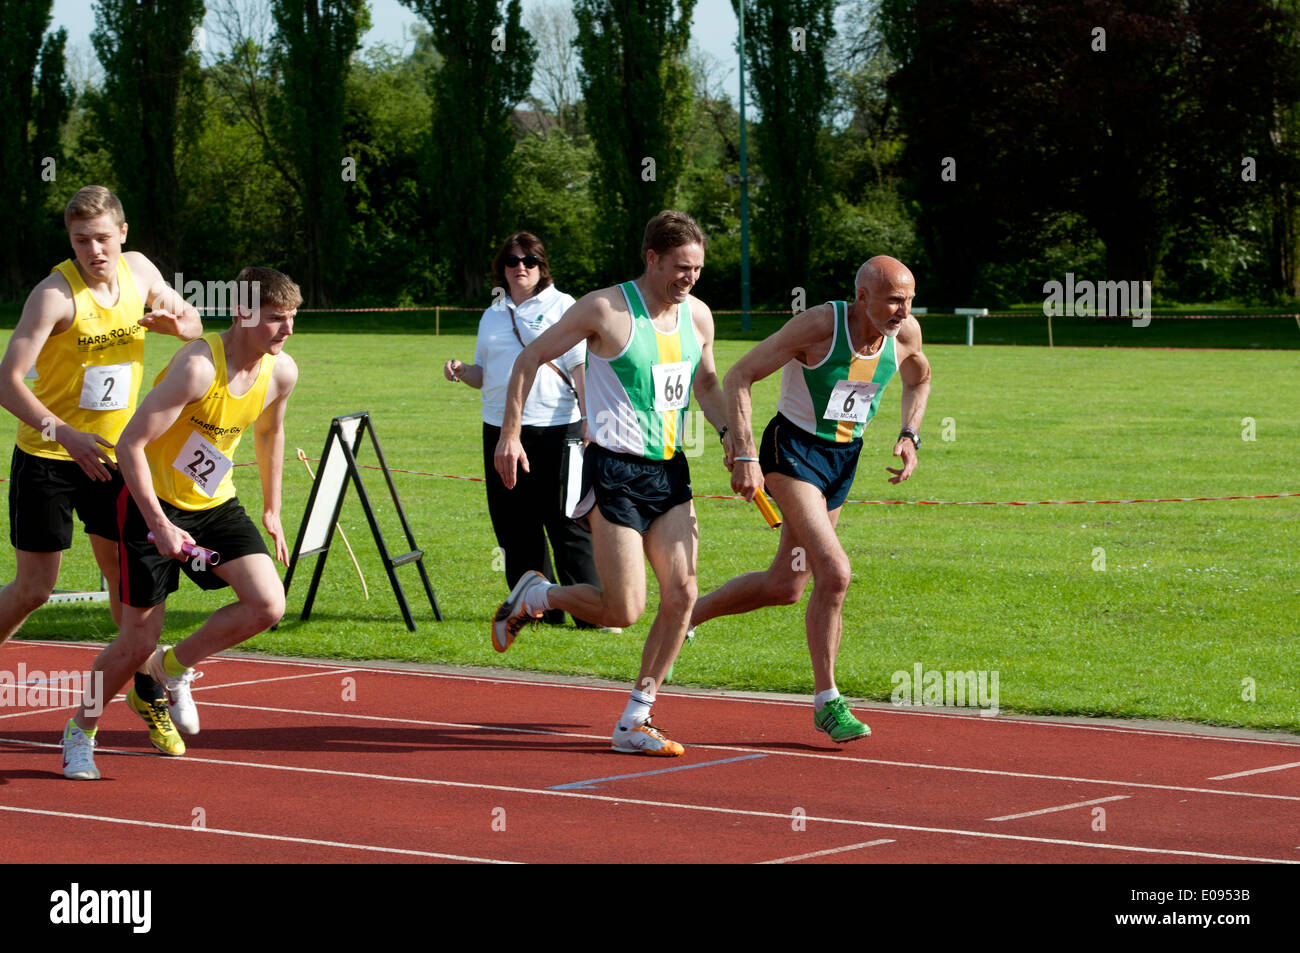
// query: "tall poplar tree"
[[786, 44], [487, 67], [637, 92], [150, 64], [34, 109], [312, 51]]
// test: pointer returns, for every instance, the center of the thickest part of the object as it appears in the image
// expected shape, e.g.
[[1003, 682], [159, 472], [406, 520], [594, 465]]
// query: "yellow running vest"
[[191, 462], [88, 374]]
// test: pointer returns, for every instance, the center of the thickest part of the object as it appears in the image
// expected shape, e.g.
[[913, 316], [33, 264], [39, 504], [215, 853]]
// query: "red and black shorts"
[[44, 493], [149, 577]]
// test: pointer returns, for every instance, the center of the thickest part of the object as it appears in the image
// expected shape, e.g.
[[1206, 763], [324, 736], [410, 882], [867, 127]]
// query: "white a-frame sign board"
[[339, 466]]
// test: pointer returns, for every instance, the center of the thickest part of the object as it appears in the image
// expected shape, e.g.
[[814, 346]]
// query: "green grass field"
[[1172, 610]]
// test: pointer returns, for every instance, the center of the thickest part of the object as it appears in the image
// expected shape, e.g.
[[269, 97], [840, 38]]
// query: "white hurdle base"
[[63, 595]]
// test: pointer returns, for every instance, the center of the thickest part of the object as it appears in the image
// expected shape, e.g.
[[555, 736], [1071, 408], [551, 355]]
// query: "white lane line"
[[768, 751], [1030, 721], [276, 678], [197, 688], [1242, 774], [733, 748], [249, 834], [823, 853], [1062, 807], [180, 763]]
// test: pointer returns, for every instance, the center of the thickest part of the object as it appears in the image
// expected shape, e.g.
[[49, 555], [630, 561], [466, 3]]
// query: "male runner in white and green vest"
[[649, 345], [835, 360]]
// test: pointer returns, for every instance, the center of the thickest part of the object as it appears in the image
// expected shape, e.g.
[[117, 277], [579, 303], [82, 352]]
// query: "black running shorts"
[[149, 577], [631, 490], [794, 452], [43, 494]]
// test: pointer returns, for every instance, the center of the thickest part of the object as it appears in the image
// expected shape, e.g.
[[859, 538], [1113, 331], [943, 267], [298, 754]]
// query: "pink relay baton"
[[209, 556]]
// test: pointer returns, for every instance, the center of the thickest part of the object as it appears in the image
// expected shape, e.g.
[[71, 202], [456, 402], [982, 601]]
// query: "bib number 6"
[[851, 400]]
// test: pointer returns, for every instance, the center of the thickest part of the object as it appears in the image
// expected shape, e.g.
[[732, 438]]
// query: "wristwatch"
[[911, 435]]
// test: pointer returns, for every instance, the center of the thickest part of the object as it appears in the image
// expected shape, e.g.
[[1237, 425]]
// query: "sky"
[[713, 28]]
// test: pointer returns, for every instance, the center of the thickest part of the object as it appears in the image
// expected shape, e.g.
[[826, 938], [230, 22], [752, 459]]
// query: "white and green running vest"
[[836, 398], [637, 400]]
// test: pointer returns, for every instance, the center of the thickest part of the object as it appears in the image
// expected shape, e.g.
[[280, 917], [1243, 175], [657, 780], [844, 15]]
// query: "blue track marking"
[[592, 782]]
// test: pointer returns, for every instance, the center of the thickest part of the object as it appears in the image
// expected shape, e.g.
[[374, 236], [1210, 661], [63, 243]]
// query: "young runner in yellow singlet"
[[176, 456], [82, 335]]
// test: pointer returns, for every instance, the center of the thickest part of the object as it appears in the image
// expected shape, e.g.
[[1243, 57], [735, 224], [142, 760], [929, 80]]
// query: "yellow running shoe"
[[162, 733]]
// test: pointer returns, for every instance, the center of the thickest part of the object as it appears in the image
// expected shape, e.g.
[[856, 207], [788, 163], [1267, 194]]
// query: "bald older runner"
[[835, 361]]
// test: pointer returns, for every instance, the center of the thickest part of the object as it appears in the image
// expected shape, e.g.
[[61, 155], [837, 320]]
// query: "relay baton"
[[768, 510], [209, 556]]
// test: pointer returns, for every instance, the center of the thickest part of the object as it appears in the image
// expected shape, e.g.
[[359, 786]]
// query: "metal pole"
[[744, 186]]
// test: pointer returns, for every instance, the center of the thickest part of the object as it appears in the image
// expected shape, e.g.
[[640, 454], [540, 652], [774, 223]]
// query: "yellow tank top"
[[191, 462], [89, 373]]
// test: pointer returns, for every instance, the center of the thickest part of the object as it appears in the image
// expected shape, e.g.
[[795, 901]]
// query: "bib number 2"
[[105, 387], [202, 463]]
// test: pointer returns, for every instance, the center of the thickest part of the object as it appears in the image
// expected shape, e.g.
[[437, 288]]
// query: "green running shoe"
[[837, 721]]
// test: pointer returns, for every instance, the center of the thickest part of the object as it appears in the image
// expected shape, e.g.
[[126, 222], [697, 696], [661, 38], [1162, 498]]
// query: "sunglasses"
[[530, 261]]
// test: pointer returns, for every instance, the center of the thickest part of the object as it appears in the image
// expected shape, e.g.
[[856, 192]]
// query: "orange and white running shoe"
[[644, 739]]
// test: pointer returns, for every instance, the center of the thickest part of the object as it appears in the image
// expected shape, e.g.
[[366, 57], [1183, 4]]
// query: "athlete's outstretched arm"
[[802, 334], [582, 322], [914, 372], [707, 388], [171, 313], [188, 378], [268, 443], [48, 304]]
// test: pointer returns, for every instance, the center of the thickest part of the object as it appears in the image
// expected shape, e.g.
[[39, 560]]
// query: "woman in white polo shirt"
[[524, 517]]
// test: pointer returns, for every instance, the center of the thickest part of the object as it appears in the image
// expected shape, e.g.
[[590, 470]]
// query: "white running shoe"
[[512, 614], [78, 754], [644, 739], [180, 703]]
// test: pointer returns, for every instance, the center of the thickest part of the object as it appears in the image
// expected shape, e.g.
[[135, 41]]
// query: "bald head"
[[883, 270], [885, 288]]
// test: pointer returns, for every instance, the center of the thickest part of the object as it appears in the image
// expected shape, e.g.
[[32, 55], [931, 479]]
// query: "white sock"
[[637, 711], [821, 698], [538, 597]]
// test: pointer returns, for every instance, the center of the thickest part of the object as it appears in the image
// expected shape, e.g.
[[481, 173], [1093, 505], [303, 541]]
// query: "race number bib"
[[203, 463], [106, 387], [672, 385], [851, 400]]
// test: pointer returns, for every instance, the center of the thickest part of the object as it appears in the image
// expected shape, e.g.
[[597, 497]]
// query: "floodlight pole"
[[744, 185]]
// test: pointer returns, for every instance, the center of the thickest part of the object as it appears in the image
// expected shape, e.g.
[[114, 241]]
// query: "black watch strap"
[[911, 435]]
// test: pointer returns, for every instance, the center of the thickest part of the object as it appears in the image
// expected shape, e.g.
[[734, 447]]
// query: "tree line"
[[990, 144]]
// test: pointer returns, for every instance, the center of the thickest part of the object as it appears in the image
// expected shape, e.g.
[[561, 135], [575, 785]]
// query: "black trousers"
[[523, 518]]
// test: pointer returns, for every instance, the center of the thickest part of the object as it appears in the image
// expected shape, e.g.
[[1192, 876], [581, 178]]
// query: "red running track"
[[308, 762]]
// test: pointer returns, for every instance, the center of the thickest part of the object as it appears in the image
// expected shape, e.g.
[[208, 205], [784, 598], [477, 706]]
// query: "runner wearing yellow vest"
[[176, 455], [649, 347], [81, 335], [835, 362]]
